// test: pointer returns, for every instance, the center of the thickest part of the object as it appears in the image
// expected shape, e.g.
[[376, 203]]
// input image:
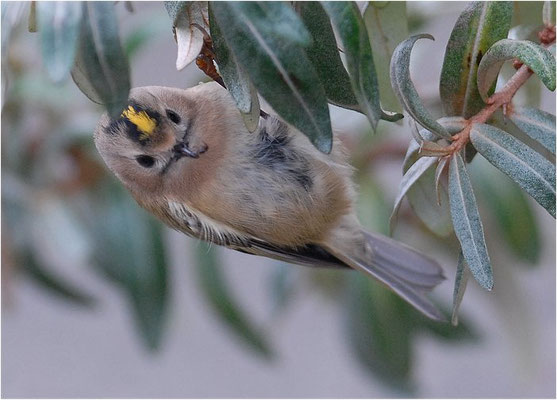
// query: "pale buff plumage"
[[268, 193]]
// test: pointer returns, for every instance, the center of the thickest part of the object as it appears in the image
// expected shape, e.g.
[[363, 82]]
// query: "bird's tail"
[[407, 272]]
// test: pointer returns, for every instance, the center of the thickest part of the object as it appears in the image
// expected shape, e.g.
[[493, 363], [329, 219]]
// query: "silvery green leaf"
[[268, 40], [219, 296], [101, 68], [323, 53], [467, 223], [235, 78], [59, 24], [528, 168], [405, 90], [351, 30], [129, 250], [410, 177], [387, 26], [480, 25], [461, 279], [537, 124], [510, 208], [187, 18], [537, 58]]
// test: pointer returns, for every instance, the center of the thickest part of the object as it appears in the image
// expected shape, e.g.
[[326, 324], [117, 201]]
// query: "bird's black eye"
[[173, 116], [145, 161]]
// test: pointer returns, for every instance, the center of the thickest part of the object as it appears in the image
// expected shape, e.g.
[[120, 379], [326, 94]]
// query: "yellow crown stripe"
[[145, 124]]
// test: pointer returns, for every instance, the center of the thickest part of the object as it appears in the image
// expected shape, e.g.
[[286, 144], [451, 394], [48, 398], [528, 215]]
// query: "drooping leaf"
[[187, 19], [351, 30], [528, 168], [410, 177], [268, 40], [60, 23], [461, 279], [219, 296], [323, 53], [405, 90], [387, 26], [467, 223], [129, 250], [101, 68], [480, 25], [539, 59], [510, 209], [379, 332], [55, 284], [236, 80], [537, 124]]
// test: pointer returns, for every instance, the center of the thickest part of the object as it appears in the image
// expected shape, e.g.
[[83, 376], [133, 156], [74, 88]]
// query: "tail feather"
[[404, 262], [404, 270]]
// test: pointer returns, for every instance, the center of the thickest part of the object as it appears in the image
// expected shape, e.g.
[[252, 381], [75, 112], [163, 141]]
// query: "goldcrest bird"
[[186, 156]]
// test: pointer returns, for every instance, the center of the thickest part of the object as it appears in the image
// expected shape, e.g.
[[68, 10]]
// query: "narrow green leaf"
[[220, 298], [379, 332], [387, 26], [236, 80], [539, 59], [60, 24], [268, 40], [461, 279], [410, 177], [528, 168], [101, 68], [187, 19], [510, 209], [129, 250], [50, 281], [537, 124], [467, 223], [351, 30], [323, 53], [405, 90], [480, 25]]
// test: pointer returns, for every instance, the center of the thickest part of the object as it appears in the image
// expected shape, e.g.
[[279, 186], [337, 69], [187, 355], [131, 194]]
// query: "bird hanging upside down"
[[186, 156]]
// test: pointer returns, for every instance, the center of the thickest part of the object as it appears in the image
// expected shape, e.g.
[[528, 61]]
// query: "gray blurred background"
[[53, 348]]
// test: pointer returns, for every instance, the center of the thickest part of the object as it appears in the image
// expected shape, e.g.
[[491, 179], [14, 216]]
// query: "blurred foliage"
[[64, 213]]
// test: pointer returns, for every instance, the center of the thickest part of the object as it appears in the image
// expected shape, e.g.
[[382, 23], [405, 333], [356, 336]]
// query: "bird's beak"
[[183, 149]]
